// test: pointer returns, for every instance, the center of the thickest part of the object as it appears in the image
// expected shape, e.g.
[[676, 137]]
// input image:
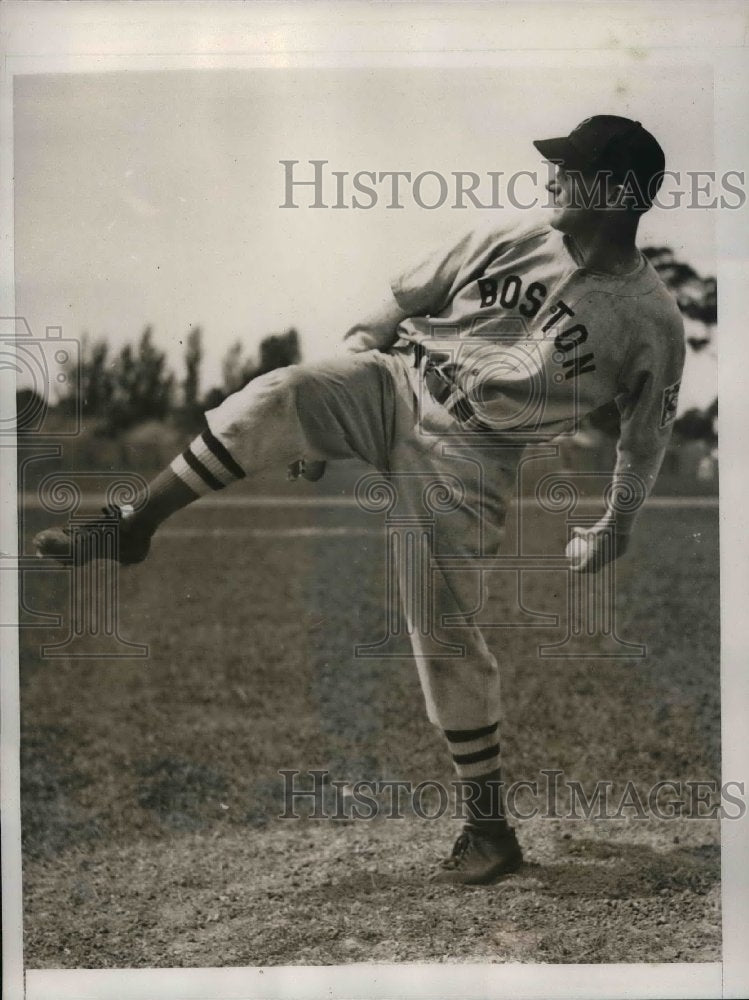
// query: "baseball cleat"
[[81, 543], [478, 859]]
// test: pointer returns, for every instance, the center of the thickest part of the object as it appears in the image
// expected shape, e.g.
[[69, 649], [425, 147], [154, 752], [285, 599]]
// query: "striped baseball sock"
[[203, 467], [475, 754], [474, 751]]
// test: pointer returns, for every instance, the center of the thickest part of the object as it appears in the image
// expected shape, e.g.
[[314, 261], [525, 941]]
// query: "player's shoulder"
[[641, 295], [637, 307], [654, 314], [489, 238], [660, 302], [509, 227]]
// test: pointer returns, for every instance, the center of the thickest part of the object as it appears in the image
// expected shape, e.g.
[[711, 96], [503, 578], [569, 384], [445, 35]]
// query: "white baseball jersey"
[[534, 340]]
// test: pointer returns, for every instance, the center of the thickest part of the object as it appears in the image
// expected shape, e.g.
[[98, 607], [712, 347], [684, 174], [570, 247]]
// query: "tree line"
[[117, 390]]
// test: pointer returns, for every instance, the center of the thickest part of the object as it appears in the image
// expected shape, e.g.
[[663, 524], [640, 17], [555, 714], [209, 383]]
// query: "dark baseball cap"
[[610, 143]]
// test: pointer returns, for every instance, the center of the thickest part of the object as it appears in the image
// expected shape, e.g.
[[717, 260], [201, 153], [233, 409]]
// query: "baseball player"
[[507, 335]]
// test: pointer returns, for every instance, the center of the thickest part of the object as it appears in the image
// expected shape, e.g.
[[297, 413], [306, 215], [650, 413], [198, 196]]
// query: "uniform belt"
[[443, 390]]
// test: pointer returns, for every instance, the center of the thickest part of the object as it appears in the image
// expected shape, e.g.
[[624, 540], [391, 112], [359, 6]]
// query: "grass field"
[[151, 790]]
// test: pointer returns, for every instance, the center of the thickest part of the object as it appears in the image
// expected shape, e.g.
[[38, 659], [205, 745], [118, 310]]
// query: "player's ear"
[[626, 194], [616, 195]]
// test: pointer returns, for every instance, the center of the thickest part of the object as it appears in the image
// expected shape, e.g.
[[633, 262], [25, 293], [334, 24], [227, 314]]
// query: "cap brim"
[[558, 150]]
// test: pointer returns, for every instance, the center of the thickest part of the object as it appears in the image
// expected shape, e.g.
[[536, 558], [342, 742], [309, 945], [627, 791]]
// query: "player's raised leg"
[[323, 411]]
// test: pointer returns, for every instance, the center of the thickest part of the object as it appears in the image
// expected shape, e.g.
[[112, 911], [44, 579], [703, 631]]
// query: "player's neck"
[[608, 245]]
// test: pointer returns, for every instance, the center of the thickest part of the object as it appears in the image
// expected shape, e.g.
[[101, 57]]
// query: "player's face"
[[571, 203]]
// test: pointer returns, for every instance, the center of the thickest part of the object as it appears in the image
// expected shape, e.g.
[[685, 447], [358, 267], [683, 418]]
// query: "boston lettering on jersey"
[[566, 341], [509, 294]]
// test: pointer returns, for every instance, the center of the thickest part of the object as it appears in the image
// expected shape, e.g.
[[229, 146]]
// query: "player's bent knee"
[[285, 384], [263, 403], [271, 389]]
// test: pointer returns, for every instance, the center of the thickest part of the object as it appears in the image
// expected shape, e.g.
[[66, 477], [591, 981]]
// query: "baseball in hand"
[[577, 550]]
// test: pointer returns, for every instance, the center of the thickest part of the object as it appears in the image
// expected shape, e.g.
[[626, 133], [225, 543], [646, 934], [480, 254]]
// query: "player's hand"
[[357, 339], [314, 470], [308, 469], [590, 549]]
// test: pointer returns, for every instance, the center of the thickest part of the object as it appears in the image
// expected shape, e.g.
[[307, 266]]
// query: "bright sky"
[[153, 198]]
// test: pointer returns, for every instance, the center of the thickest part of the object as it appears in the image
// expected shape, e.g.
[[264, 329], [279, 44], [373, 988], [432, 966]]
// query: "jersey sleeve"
[[426, 287], [651, 382], [647, 407]]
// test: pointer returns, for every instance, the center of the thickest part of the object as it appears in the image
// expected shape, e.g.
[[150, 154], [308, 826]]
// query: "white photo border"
[[54, 36]]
